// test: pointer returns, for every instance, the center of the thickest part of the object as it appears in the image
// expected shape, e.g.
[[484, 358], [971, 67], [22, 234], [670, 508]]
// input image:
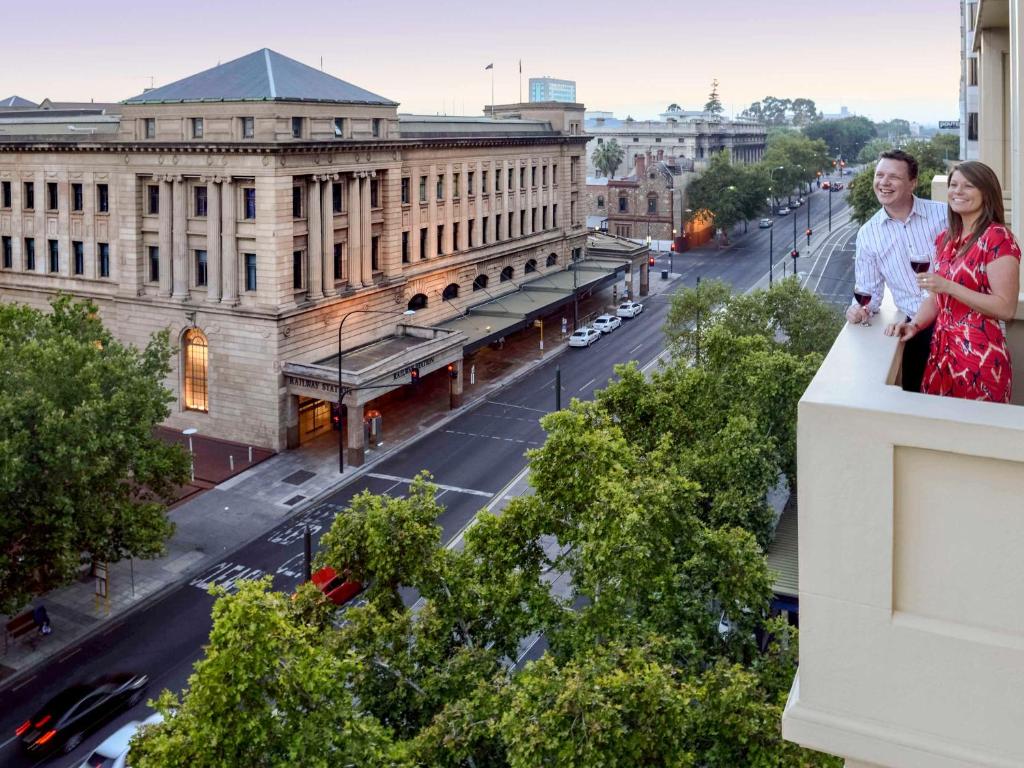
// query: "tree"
[[81, 474], [893, 130], [805, 112], [774, 110], [726, 193], [861, 195], [870, 152], [753, 112], [844, 137], [673, 107], [798, 157], [714, 107], [608, 157]]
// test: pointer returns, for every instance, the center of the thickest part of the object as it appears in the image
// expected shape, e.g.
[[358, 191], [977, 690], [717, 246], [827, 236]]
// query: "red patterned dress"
[[969, 358]]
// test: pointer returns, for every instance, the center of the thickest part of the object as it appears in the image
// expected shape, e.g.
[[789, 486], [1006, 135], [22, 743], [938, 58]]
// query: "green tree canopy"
[[843, 138], [81, 474], [607, 157], [713, 106], [800, 160], [726, 193]]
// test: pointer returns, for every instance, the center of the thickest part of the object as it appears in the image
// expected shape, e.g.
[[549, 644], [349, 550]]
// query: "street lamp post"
[[341, 389], [794, 217], [771, 229]]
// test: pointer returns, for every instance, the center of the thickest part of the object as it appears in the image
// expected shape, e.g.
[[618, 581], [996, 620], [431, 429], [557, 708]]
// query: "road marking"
[[227, 575], [490, 437], [316, 517], [67, 656], [4, 744], [587, 385], [455, 488], [634, 349], [513, 405], [23, 683]]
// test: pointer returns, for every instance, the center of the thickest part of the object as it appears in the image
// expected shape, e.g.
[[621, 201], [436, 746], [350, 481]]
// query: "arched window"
[[600, 201], [195, 360], [530, 266], [506, 274], [418, 302], [480, 283], [552, 259], [451, 292]]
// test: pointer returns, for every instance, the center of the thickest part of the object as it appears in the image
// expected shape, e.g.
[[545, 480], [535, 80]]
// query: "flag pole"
[[520, 81], [492, 92]]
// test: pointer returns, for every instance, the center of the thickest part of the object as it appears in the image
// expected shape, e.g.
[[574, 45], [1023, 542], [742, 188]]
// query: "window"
[[423, 243], [533, 219], [30, 254], [418, 302], [296, 127], [52, 199], [483, 231], [573, 162], [102, 198], [405, 190], [77, 200], [511, 179], [972, 70], [195, 352], [480, 283], [150, 127], [544, 217], [470, 189], [530, 266], [455, 236], [440, 187], [554, 174], [374, 193], [497, 180], [154, 264], [8, 249], [104, 252], [506, 274], [554, 215], [336, 197], [522, 178], [544, 176], [153, 195], [78, 252], [652, 204], [375, 253], [200, 201], [522, 223], [405, 247], [657, 140], [972, 126], [296, 203], [248, 127], [451, 291], [455, 185], [375, 127], [623, 204], [297, 270], [339, 127], [338, 260], [600, 201], [635, 139], [552, 260], [249, 194], [533, 176], [497, 227], [572, 212], [250, 271], [423, 189], [440, 239], [197, 127], [5, 194], [483, 182], [29, 201], [54, 253], [200, 268]]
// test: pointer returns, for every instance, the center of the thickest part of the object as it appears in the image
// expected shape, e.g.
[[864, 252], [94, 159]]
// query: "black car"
[[64, 721]]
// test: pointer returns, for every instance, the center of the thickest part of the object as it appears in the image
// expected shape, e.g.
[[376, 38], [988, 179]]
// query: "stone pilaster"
[[327, 232], [179, 269], [355, 244], [164, 243], [214, 269], [366, 225], [229, 241], [315, 239]]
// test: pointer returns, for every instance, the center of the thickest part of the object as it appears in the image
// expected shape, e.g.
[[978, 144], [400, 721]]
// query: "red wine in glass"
[[863, 298], [920, 265]]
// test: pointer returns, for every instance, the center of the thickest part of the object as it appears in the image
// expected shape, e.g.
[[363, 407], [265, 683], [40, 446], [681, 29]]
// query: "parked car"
[[65, 720], [826, 184], [607, 323], [113, 752], [764, 223], [837, 186], [796, 203], [629, 309], [339, 589], [584, 337], [783, 211]]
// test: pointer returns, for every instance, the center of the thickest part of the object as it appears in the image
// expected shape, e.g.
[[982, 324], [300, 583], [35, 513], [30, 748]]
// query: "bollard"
[[250, 454], [231, 462], [472, 374]]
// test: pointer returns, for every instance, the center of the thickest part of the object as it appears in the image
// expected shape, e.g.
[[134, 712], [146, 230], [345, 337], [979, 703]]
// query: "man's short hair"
[[906, 157]]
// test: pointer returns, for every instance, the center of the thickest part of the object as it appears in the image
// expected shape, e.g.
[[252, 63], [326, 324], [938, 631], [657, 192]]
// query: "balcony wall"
[[911, 566]]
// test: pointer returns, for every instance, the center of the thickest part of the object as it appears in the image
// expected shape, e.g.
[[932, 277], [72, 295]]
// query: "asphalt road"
[[471, 459]]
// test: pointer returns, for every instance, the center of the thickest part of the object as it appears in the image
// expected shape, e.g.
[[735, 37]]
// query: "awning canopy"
[[782, 554]]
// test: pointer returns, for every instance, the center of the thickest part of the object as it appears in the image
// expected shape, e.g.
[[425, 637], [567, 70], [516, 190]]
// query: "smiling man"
[[905, 226]]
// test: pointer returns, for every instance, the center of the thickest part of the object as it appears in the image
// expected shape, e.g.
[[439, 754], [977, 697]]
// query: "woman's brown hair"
[[984, 179]]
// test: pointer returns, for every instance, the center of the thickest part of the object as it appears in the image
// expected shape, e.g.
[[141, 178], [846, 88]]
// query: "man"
[[904, 226]]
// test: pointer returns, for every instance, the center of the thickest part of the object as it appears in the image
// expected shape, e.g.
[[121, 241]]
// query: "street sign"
[[949, 125]]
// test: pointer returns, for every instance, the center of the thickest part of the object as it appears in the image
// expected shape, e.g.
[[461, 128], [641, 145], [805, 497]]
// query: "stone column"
[[433, 247], [479, 213], [366, 225], [18, 235], [355, 447], [327, 231], [314, 240], [645, 277], [91, 267], [291, 421], [514, 202], [507, 206], [530, 201], [213, 241], [449, 207], [229, 242], [414, 214], [179, 270], [355, 243], [455, 387], [164, 242]]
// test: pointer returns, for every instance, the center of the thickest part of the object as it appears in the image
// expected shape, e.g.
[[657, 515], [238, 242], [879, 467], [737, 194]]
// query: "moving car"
[[63, 722], [629, 309], [826, 184], [607, 323], [783, 211], [796, 203], [113, 752], [584, 337], [837, 186], [338, 589], [764, 223]]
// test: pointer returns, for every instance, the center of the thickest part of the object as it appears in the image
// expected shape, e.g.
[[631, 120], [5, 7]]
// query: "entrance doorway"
[[314, 418]]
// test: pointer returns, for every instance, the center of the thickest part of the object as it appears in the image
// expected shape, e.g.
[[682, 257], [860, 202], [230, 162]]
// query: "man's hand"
[[857, 314], [902, 331]]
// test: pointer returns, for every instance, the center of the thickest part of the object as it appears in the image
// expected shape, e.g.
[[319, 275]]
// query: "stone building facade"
[[252, 207]]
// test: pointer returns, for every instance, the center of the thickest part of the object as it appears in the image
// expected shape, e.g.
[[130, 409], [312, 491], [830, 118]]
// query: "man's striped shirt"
[[884, 248]]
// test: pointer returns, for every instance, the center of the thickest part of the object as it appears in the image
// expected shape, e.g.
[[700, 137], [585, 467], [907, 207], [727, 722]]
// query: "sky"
[[880, 58]]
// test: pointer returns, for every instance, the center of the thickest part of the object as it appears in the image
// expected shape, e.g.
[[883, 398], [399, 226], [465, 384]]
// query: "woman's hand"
[[933, 283], [902, 331]]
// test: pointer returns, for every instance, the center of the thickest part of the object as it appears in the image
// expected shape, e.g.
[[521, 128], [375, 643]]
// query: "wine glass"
[[920, 262], [863, 298]]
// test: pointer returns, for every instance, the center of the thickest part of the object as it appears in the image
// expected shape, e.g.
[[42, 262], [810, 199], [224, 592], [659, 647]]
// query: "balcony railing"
[[911, 566]]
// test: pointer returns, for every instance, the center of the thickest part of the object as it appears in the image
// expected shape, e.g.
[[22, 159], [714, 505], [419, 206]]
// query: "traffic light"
[[650, 261], [795, 254], [808, 235], [453, 372], [414, 375], [335, 416]]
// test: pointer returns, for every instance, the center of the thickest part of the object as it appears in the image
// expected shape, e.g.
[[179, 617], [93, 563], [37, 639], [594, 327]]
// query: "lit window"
[[196, 358]]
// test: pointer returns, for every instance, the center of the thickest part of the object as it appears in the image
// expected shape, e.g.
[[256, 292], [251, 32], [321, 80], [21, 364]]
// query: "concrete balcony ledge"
[[911, 566]]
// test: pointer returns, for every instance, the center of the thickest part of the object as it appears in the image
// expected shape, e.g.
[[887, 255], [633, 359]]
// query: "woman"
[[974, 286]]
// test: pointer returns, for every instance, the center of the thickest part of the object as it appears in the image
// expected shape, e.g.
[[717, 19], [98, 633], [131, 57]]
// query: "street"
[[471, 459]]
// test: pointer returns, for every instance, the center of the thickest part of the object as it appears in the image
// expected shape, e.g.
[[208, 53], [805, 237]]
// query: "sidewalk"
[[247, 505]]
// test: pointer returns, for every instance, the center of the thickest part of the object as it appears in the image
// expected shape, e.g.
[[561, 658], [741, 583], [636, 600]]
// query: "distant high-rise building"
[[968, 82], [551, 89]]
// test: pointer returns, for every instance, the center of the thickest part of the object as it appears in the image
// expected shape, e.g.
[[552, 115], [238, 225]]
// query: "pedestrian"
[[904, 226], [42, 619], [974, 287]]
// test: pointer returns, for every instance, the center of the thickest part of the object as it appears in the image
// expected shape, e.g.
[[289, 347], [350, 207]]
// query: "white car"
[[584, 337], [629, 309], [783, 211], [607, 323], [796, 203], [113, 752], [764, 223]]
